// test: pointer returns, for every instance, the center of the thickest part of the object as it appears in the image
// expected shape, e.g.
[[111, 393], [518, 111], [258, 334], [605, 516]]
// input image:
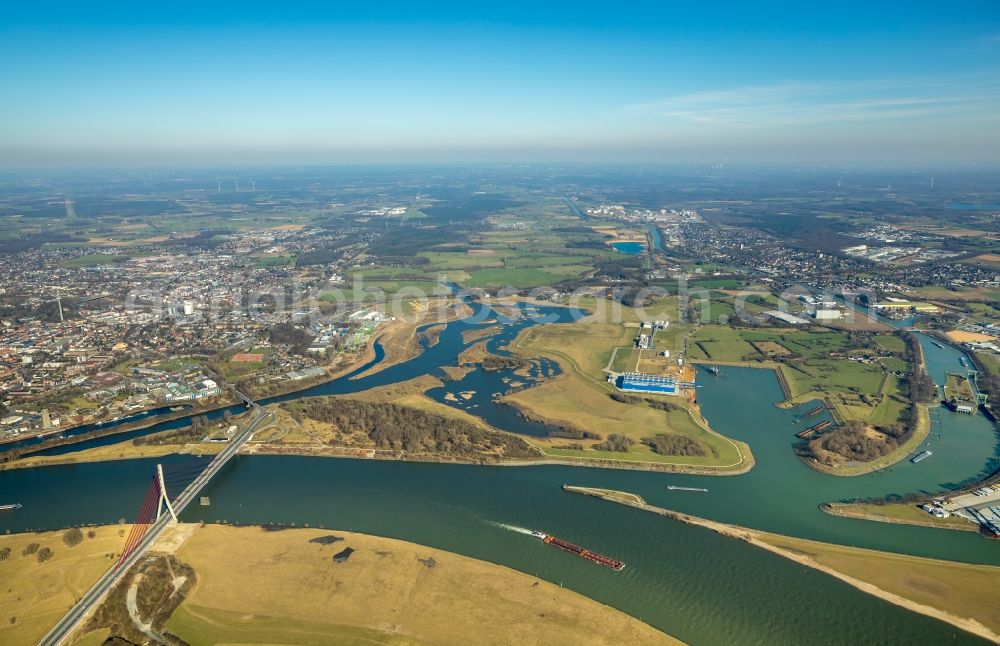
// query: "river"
[[701, 587]]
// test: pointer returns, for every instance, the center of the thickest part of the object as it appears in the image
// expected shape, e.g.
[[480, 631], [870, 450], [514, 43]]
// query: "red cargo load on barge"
[[600, 559]]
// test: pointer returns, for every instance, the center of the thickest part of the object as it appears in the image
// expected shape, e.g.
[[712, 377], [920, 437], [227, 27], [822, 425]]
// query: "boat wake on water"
[[512, 528]]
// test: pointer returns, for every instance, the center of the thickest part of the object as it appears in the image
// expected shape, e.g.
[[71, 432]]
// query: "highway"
[[93, 597]]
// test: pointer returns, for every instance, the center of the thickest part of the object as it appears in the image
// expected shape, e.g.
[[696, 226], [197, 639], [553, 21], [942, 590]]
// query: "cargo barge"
[[566, 546], [813, 412]]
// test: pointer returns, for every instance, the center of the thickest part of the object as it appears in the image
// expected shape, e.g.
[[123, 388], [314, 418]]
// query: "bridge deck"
[[93, 597]]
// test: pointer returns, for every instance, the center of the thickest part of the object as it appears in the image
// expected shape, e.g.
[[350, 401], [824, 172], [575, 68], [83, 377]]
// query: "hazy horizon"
[[247, 84]]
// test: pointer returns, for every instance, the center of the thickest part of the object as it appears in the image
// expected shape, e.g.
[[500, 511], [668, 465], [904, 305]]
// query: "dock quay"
[[815, 428]]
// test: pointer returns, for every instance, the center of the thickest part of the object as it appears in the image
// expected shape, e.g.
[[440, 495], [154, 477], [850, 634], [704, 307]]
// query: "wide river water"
[[690, 582]]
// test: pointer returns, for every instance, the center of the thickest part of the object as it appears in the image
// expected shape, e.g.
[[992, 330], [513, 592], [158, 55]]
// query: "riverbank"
[[310, 438], [963, 595], [899, 454], [97, 424], [21, 453], [400, 340], [120, 451], [790, 400], [321, 585], [583, 405], [897, 513], [647, 461]]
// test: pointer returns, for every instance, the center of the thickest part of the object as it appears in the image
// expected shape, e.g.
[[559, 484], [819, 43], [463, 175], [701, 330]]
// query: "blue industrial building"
[[639, 382]]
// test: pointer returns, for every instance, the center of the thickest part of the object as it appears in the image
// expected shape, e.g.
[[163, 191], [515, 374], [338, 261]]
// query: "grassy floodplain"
[[387, 592], [580, 397], [35, 594]]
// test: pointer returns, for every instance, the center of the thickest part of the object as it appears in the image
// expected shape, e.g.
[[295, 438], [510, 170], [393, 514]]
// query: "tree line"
[[410, 430]]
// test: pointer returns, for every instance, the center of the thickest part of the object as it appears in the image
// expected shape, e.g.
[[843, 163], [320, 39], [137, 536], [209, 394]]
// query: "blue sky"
[[301, 83]]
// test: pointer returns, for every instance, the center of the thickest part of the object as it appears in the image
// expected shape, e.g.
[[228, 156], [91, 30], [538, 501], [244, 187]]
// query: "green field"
[[721, 343], [588, 345], [716, 283], [894, 364], [893, 405], [891, 342], [237, 370], [523, 278], [718, 308], [990, 361], [624, 360], [274, 261], [177, 364], [804, 358], [93, 260]]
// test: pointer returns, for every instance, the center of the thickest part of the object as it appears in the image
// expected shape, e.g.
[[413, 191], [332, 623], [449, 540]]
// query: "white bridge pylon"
[[164, 498]]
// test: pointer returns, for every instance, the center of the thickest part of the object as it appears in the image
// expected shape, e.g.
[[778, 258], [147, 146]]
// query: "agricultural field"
[[412, 282], [524, 278], [625, 360], [717, 308], [942, 293], [275, 260], [721, 343], [891, 342]]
